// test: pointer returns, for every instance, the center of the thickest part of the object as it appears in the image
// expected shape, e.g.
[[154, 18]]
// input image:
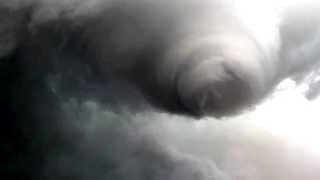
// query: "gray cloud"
[[160, 146], [185, 58], [300, 44], [90, 89]]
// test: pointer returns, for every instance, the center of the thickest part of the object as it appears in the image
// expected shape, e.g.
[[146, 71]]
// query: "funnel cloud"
[[189, 57], [111, 89]]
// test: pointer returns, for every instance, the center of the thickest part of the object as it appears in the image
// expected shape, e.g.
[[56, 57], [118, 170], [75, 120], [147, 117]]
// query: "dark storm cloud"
[[155, 146], [112, 145], [185, 56]]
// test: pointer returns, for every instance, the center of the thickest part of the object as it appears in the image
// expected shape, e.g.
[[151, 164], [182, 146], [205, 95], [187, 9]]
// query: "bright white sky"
[[263, 16], [287, 114]]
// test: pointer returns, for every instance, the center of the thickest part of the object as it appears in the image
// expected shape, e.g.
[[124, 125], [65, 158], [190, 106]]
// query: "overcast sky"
[[150, 90]]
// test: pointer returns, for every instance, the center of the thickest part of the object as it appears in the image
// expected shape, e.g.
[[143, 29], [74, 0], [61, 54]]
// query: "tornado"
[[188, 57], [98, 89], [205, 61], [219, 75]]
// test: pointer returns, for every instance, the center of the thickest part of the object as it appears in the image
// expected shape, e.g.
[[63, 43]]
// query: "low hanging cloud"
[[109, 89], [188, 57], [154, 145]]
